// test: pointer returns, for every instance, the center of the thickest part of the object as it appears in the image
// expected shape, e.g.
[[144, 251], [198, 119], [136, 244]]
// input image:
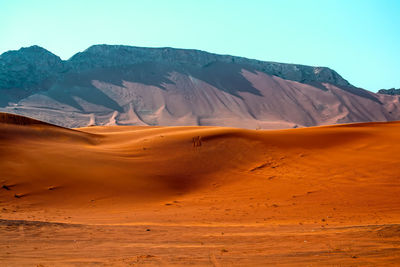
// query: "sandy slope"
[[209, 195]]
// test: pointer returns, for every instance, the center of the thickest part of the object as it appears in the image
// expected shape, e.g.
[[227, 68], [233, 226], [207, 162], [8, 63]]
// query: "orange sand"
[[209, 196]]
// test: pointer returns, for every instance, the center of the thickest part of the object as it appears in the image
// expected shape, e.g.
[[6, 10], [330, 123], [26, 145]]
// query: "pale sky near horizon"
[[360, 39]]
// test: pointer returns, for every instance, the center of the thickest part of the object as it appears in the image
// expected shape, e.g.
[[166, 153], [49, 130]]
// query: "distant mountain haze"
[[126, 85]]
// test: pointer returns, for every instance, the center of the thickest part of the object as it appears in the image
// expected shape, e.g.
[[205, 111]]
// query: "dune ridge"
[[136, 164], [342, 178]]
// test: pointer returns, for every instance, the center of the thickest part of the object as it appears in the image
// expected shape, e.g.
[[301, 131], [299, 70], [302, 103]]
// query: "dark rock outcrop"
[[391, 91]]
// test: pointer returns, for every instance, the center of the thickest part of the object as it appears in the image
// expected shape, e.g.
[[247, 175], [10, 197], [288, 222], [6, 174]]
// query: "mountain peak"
[[28, 51], [28, 67], [34, 48]]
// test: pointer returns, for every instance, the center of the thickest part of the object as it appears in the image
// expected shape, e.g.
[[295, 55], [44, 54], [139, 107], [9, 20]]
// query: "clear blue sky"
[[360, 39]]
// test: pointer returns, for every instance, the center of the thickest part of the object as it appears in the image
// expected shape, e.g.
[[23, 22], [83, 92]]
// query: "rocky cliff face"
[[27, 68], [103, 56], [391, 91], [27, 71], [108, 85]]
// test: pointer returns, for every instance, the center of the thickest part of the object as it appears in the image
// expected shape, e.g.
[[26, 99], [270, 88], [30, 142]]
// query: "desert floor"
[[206, 196]]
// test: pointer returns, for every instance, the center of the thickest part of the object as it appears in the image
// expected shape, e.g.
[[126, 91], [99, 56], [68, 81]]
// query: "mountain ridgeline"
[[391, 91], [126, 85]]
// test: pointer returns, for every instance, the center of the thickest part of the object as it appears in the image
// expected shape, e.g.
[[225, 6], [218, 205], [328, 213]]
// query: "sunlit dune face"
[[334, 176]]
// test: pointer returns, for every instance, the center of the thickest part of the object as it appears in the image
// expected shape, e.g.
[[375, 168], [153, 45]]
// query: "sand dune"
[[322, 195]]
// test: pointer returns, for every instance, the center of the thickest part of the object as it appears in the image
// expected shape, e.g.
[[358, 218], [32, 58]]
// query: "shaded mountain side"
[[219, 94], [123, 85], [33, 69], [100, 56], [28, 71], [224, 76]]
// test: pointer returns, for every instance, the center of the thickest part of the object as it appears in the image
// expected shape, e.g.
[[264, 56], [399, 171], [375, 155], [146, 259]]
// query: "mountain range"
[[127, 85]]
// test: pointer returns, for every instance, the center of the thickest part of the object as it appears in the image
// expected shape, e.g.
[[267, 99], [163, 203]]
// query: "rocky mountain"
[[391, 91], [125, 85], [105, 56], [27, 71]]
